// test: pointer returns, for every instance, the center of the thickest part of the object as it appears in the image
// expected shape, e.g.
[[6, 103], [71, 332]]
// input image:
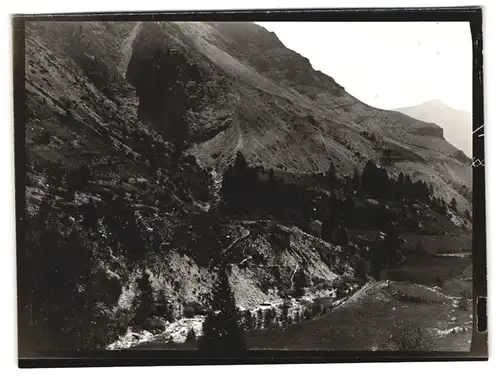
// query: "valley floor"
[[369, 319]]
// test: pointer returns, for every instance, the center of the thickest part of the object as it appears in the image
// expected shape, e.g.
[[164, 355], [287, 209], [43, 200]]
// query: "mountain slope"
[[456, 124], [248, 92], [129, 129], [111, 196]]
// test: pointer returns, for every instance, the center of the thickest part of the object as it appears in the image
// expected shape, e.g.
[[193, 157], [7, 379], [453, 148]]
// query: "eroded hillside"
[[129, 130], [268, 102]]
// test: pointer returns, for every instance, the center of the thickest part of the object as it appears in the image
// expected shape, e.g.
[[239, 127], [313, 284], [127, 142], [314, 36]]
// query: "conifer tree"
[[382, 185], [296, 318], [468, 215], [407, 188], [454, 204], [248, 321], [285, 307], [390, 246], [400, 187], [222, 333], [258, 319], [369, 178], [144, 301], [163, 308], [356, 182], [191, 336], [331, 175], [55, 175], [342, 238], [299, 282]]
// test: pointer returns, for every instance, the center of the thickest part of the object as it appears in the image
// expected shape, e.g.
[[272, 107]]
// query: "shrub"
[[361, 267], [194, 308], [297, 317], [468, 215], [464, 301], [467, 293], [144, 302], [248, 320], [191, 336], [404, 337], [299, 282], [163, 308], [285, 307], [307, 314], [409, 298], [44, 138], [123, 319], [154, 324]]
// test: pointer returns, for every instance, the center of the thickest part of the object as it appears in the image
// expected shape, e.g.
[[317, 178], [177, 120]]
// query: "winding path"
[[247, 233]]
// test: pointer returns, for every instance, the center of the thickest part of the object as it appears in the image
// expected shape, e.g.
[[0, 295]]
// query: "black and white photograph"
[[222, 188]]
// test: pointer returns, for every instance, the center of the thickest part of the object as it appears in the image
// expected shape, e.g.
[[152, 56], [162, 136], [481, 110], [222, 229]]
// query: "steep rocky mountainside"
[[248, 92], [129, 129], [457, 124]]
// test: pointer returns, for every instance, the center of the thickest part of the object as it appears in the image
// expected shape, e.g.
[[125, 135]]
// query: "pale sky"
[[388, 64]]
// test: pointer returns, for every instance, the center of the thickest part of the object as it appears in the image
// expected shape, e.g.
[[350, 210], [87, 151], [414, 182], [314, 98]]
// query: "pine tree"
[[299, 282], [331, 217], [400, 187], [387, 155], [78, 179], [267, 318], [248, 321], [296, 318], [121, 219], [356, 182], [433, 203], [285, 307], [144, 302], [369, 178], [382, 189], [316, 309], [271, 176], [191, 336], [222, 333], [331, 176], [383, 215], [390, 246], [240, 184], [408, 188], [89, 213], [307, 314], [468, 215], [258, 320], [55, 175], [163, 307], [361, 267], [454, 204], [349, 212], [342, 238]]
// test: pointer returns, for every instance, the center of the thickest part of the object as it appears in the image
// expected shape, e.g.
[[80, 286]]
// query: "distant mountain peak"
[[456, 123]]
